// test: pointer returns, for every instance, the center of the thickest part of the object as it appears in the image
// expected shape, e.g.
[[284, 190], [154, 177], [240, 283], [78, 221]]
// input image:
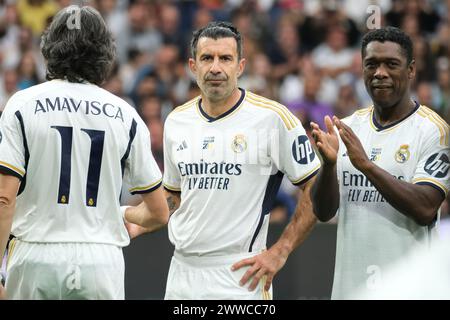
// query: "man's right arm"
[[325, 191], [152, 214]]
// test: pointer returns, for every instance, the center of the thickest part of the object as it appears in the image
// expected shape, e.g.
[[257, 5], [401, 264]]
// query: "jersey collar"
[[208, 118], [378, 127]]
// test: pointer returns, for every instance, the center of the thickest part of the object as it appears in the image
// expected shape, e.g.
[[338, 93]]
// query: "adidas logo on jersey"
[[182, 146]]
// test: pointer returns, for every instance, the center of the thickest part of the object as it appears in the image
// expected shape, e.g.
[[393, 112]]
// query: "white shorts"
[[210, 278], [64, 271]]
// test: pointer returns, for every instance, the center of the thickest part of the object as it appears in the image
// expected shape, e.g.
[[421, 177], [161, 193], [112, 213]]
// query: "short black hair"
[[389, 34], [216, 30], [84, 52]]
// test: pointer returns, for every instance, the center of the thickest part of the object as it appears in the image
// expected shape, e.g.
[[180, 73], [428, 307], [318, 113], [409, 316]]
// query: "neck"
[[386, 116], [216, 108]]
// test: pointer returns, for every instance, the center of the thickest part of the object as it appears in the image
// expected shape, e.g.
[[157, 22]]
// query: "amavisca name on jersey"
[[360, 189], [70, 105], [209, 175]]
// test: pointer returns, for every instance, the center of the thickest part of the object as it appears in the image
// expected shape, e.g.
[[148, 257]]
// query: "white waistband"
[[212, 261]]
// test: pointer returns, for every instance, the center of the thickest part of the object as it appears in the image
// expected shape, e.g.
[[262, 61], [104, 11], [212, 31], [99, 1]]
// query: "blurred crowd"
[[302, 53]]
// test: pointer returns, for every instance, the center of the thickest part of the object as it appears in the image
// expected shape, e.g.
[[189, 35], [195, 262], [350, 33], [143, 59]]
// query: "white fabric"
[[55, 271], [226, 168], [422, 275], [371, 233], [210, 278], [69, 125]]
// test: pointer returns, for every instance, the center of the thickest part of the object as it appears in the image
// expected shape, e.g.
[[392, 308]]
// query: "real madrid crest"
[[402, 155], [239, 143]]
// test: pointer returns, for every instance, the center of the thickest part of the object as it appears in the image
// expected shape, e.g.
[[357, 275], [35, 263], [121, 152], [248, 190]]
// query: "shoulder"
[[21, 98], [180, 111], [430, 123], [271, 109], [358, 117]]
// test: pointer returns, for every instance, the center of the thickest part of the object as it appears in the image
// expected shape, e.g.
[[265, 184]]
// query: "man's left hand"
[[267, 263], [355, 150]]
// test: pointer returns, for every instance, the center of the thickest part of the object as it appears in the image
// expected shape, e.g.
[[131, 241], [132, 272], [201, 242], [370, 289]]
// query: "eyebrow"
[[226, 55], [382, 59]]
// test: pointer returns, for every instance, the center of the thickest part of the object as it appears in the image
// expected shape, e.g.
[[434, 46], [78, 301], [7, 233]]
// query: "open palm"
[[327, 142]]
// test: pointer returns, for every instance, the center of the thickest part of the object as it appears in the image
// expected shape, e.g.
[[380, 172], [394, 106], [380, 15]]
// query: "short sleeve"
[[433, 165], [172, 179], [141, 170], [12, 145], [296, 157]]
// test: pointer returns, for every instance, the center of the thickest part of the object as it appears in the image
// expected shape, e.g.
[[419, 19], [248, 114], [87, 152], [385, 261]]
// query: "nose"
[[215, 67], [381, 72]]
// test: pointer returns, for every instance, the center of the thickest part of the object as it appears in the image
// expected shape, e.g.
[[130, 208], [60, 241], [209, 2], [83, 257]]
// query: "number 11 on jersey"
[[95, 160]]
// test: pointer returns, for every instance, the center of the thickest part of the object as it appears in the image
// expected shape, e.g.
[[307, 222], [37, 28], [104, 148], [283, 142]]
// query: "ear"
[[241, 66], [412, 69], [192, 66]]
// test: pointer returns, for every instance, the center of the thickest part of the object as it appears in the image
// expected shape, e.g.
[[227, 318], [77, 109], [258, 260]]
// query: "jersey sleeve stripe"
[[171, 188], [27, 151], [265, 106], [434, 118], [11, 247], [11, 170], [275, 104], [433, 183], [364, 111], [307, 176], [187, 105], [132, 134], [438, 119], [146, 189], [283, 109]]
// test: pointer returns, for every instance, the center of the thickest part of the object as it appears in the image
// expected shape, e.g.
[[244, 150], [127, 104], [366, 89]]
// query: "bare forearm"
[[410, 199], [6, 218], [9, 185], [325, 193], [300, 225], [140, 215], [152, 214]]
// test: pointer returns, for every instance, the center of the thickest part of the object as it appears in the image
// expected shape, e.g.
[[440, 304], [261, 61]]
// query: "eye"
[[392, 64], [206, 58]]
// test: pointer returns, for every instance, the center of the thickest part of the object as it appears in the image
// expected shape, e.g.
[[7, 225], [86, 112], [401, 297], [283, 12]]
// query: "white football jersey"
[[228, 170], [371, 233], [71, 145]]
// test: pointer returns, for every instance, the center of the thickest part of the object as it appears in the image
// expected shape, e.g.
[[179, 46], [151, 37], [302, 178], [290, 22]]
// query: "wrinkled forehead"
[[208, 45]]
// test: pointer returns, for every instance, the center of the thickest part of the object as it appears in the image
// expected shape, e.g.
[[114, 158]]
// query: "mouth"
[[381, 86], [215, 82]]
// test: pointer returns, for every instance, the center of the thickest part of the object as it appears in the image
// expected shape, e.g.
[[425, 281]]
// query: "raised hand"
[[327, 142], [355, 150]]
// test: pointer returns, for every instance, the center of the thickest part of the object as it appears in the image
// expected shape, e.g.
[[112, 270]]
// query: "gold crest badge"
[[402, 155], [239, 143]]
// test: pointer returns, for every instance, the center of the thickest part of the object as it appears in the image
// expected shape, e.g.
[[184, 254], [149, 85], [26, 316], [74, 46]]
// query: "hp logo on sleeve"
[[302, 150], [437, 165]]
